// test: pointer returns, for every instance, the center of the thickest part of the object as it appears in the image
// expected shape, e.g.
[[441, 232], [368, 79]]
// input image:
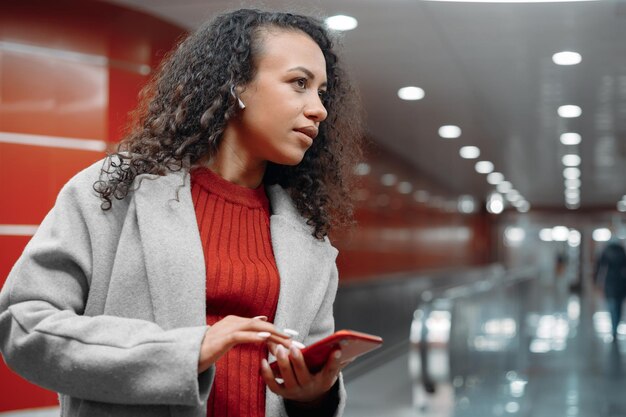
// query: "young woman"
[[162, 279]]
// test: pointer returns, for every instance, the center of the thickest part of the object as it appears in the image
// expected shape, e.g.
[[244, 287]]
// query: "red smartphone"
[[351, 343]]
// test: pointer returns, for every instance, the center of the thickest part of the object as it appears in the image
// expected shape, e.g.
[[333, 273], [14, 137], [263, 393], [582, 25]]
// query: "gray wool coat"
[[108, 308]]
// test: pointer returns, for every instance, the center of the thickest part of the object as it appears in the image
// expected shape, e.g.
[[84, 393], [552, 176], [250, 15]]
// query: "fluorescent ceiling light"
[[341, 22], [504, 187], [495, 178], [571, 172], [572, 183], [570, 138], [388, 179], [514, 234], [449, 131], [572, 206], [466, 204], [569, 111], [523, 207], [362, 169], [560, 233], [566, 58], [469, 152], [545, 234], [405, 187], [484, 167], [601, 235], [571, 160], [411, 93], [421, 196], [495, 203]]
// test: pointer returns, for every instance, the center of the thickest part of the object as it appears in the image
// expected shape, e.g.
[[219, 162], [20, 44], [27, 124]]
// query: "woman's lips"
[[310, 131]]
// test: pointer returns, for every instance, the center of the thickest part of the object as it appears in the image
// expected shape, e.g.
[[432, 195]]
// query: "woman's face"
[[283, 102]]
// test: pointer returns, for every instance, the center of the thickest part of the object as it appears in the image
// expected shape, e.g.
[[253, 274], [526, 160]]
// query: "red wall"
[[396, 233], [68, 69]]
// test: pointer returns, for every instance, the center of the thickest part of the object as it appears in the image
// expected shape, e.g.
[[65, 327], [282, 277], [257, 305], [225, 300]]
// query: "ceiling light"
[[362, 169], [523, 207], [621, 206], [512, 197], [569, 111], [574, 238], [571, 160], [572, 183], [495, 178], [504, 187], [570, 138], [449, 132], [566, 58], [495, 203], [572, 206], [405, 187], [571, 172], [572, 193], [545, 235], [466, 204], [560, 233], [469, 152], [421, 196], [341, 22], [514, 234], [484, 167], [388, 180], [601, 235], [411, 93]]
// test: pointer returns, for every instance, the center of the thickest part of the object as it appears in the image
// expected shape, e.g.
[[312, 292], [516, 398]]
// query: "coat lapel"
[[303, 264], [172, 250]]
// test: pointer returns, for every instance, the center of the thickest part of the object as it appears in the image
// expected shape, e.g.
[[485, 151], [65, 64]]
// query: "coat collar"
[[175, 259]]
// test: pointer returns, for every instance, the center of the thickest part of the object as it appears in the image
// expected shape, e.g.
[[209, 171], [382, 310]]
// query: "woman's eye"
[[323, 94], [301, 82]]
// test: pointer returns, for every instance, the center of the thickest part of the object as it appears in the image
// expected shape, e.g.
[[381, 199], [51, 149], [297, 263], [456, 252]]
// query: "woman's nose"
[[315, 110]]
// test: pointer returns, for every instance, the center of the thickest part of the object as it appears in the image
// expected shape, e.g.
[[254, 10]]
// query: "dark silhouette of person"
[[610, 276]]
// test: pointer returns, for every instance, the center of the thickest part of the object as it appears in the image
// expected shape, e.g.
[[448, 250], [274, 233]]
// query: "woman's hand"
[[234, 330], [298, 383]]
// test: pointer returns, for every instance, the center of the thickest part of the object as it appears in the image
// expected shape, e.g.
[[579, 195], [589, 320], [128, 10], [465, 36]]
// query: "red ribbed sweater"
[[242, 279]]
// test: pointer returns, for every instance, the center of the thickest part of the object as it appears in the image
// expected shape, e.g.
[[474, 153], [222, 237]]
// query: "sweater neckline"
[[235, 193]]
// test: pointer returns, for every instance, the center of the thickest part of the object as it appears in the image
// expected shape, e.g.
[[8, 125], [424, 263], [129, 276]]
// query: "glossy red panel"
[[23, 393], [124, 90], [55, 97], [33, 175]]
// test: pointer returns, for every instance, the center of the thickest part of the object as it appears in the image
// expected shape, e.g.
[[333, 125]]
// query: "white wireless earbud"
[[232, 92]]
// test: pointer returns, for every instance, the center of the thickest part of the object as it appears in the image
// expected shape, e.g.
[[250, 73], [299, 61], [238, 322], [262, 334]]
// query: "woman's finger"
[[284, 364], [300, 370], [332, 367], [268, 377]]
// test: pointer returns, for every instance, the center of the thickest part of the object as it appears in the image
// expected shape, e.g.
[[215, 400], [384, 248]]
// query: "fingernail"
[[264, 318], [281, 351], [291, 332], [264, 363], [295, 352], [297, 344], [263, 335], [337, 354]]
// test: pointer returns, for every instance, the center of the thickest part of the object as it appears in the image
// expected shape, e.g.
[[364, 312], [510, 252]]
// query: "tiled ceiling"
[[486, 67]]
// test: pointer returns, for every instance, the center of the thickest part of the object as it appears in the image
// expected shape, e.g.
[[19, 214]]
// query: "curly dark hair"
[[184, 110]]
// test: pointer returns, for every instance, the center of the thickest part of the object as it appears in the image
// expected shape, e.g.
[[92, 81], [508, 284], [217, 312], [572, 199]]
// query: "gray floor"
[[558, 361], [565, 364]]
